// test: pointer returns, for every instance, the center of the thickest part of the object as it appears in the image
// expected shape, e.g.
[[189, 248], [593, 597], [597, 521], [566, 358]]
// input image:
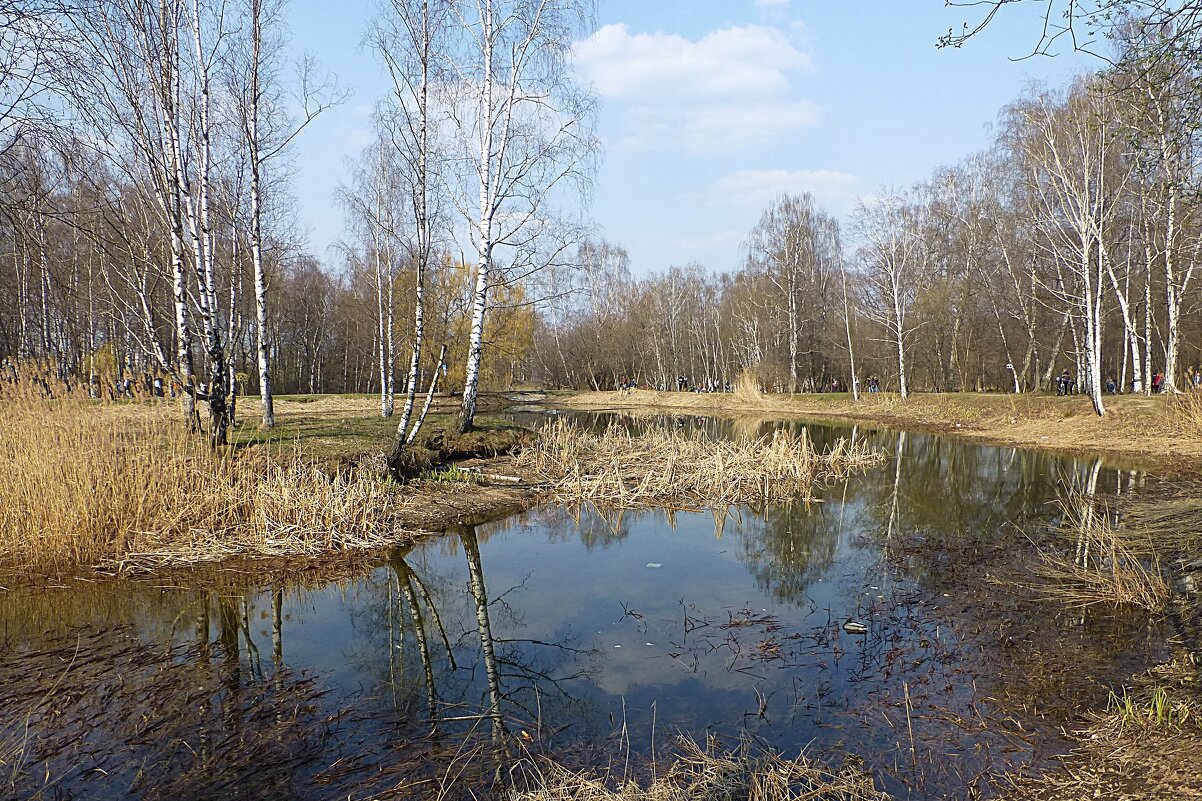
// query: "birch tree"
[[1068, 151], [128, 64], [796, 246], [892, 262], [267, 130], [522, 139], [1159, 90], [411, 37]]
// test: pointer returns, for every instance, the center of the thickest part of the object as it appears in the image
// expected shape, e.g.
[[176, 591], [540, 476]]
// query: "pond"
[[875, 621]]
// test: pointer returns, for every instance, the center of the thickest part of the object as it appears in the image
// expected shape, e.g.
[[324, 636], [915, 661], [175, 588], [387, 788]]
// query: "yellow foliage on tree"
[[508, 330]]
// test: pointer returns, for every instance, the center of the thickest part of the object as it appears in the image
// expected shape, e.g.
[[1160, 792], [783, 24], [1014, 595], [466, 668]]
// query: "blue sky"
[[709, 109]]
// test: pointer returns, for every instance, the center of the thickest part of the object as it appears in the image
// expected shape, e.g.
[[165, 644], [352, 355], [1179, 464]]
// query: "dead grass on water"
[[668, 466], [1103, 564], [708, 773], [1144, 747]]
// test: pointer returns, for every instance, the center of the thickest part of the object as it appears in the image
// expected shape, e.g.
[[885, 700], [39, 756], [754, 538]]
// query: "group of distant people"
[[1066, 384]]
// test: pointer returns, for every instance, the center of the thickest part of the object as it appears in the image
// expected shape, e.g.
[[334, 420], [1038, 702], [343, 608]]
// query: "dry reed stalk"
[[702, 773], [1187, 412], [1107, 565], [747, 389], [1173, 524], [120, 485], [668, 466]]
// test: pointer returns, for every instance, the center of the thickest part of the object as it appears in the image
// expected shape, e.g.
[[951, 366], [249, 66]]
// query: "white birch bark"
[[251, 124]]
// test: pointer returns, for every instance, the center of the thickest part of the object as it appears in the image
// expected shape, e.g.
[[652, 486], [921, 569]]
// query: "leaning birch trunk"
[[404, 440], [415, 357], [1129, 335], [1093, 331], [421, 418]]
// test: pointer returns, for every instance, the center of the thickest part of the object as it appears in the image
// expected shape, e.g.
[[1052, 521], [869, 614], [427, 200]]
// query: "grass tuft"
[[708, 773], [667, 466]]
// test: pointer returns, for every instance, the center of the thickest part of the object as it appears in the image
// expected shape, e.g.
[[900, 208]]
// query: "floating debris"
[[855, 627]]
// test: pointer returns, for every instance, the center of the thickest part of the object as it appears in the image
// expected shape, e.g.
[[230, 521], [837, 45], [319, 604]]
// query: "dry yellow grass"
[[1159, 432], [121, 485], [1187, 411], [666, 466], [1144, 747], [707, 773], [1106, 565]]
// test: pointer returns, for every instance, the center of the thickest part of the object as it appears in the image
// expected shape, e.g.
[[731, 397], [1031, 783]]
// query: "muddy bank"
[[1155, 433]]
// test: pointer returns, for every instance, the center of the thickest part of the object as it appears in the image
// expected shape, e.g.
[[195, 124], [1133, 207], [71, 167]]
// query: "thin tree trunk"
[[256, 217]]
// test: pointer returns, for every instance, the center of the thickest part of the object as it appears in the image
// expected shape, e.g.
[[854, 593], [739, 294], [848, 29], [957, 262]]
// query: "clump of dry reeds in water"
[[669, 467], [704, 773], [1105, 564], [85, 483]]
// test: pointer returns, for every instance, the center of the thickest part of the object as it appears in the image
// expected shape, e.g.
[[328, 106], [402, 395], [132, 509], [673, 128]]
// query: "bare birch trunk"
[[467, 414], [851, 354], [256, 216], [202, 237]]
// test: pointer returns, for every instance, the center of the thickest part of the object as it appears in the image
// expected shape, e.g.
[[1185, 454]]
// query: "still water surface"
[[591, 631]]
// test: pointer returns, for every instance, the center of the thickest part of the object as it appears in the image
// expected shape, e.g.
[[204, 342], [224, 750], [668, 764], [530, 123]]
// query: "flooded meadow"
[[886, 622]]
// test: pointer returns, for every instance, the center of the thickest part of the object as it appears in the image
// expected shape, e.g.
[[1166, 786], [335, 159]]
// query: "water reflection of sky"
[[686, 621]]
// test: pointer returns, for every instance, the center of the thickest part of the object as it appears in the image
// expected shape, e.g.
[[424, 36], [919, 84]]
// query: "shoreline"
[[1137, 428]]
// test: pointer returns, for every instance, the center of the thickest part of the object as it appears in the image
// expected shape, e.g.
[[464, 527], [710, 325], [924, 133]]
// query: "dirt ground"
[[1162, 433]]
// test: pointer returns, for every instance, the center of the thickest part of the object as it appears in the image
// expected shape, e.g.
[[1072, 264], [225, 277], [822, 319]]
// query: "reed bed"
[[1105, 564], [121, 486], [670, 467], [707, 773]]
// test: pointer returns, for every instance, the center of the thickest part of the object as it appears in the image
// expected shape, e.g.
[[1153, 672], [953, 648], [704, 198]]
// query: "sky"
[[710, 108]]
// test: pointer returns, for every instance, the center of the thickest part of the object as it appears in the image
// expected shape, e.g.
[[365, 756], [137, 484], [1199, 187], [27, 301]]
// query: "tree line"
[[146, 231], [1070, 245]]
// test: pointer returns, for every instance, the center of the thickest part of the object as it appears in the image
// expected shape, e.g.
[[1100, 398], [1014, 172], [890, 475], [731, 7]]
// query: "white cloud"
[[732, 88], [731, 62], [716, 126]]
